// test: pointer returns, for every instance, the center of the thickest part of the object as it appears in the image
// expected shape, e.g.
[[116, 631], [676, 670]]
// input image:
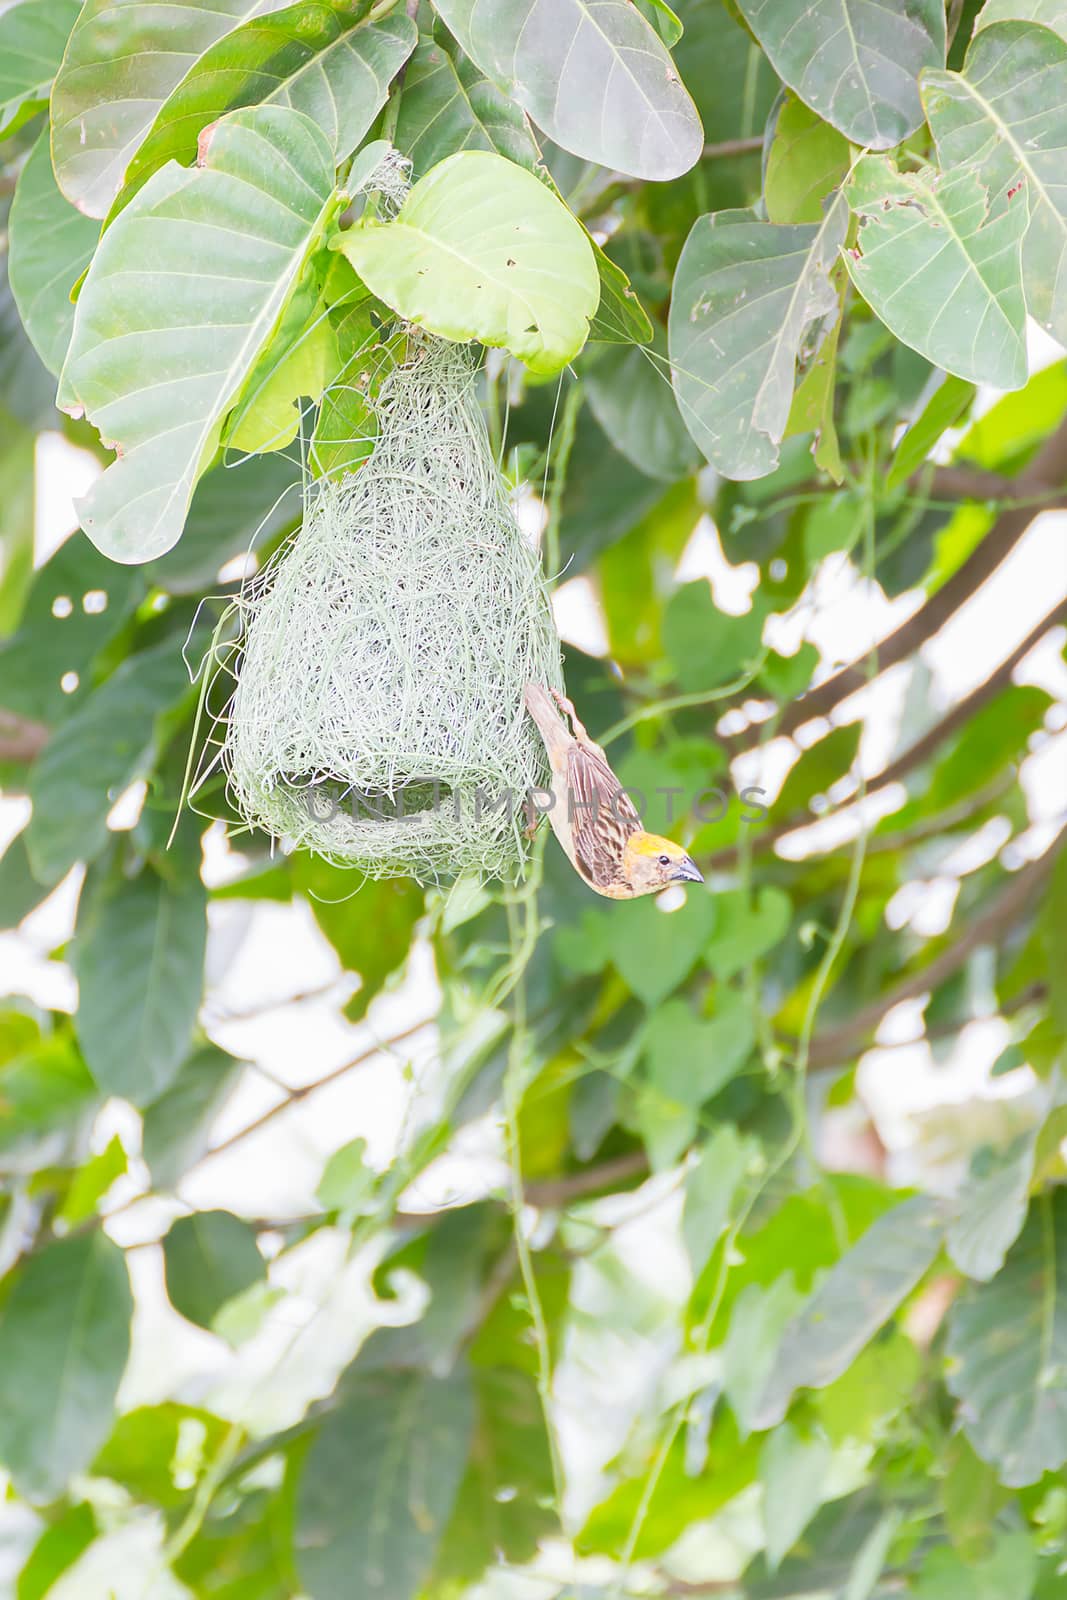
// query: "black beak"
[[687, 871]]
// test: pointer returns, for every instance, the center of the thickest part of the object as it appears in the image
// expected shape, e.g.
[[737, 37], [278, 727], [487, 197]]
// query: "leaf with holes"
[[158, 352], [140, 965], [591, 73], [64, 1340], [121, 63], [322, 58], [1007, 1346], [857, 1296], [481, 250], [855, 62], [1005, 115], [747, 296], [379, 1484], [50, 244], [107, 744], [939, 270], [33, 36]]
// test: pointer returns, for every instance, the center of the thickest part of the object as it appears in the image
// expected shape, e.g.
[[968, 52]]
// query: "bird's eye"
[[664, 861]]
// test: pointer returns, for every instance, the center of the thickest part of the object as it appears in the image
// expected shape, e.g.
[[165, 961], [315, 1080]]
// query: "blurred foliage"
[[813, 1383]]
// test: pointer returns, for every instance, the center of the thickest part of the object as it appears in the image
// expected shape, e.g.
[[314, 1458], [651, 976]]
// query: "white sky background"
[[260, 955]]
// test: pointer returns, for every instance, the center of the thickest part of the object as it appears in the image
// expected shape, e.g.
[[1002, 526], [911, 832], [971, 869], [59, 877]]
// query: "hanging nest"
[[378, 716]]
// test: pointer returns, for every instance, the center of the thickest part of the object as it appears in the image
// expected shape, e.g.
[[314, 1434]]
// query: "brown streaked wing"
[[602, 816]]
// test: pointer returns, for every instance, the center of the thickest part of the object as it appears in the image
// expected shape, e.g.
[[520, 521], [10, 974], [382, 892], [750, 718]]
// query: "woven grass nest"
[[378, 714]]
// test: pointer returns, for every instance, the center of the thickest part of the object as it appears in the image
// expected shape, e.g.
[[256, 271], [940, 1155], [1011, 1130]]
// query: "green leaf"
[[209, 1258], [347, 1184], [793, 1471], [806, 161], [991, 1207], [177, 1126], [92, 1182], [1051, 13], [1005, 115], [449, 105], [76, 604], [64, 1340], [369, 925], [19, 889], [946, 405], [598, 82], [706, 647], [820, 766], [33, 36], [630, 396], [323, 59], [503, 1509], [235, 509], [59, 1546], [745, 931], [1007, 1346], [109, 742], [857, 1296], [747, 295], [1007, 1572], [50, 244], [655, 950], [854, 63], [47, 1098], [620, 317], [379, 1485], [140, 964], [711, 1182], [759, 1320], [121, 63], [144, 322], [942, 273], [691, 1058], [481, 250], [153, 1447]]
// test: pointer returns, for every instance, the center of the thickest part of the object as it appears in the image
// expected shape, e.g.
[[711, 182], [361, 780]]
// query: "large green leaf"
[[747, 294], [1051, 13], [33, 36], [177, 1126], [77, 602], [591, 73], [481, 250], [108, 742], [379, 1485], [1005, 115], [630, 396], [154, 342], [50, 244], [856, 1297], [991, 1206], [64, 1339], [209, 1258], [140, 963], [322, 58], [47, 1100], [449, 105], [122, 61], [855, 62], [1007, 1344], [806, 160], [939, 270]]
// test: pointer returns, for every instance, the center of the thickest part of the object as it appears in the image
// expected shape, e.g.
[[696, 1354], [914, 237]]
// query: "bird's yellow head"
[[651, 863]]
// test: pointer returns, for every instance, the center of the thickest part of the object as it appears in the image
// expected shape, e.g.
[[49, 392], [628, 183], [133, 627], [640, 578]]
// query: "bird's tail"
[[551, 726]]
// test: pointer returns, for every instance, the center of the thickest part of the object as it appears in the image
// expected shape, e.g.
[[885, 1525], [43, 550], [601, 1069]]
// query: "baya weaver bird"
[[592, 817]]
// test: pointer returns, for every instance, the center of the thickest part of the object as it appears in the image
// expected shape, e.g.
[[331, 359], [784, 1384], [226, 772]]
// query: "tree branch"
[[914, 756], [1047, 472], [837, 1044], [732, 147]]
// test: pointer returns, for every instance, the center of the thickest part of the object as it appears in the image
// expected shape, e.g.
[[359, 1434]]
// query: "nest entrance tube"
[[378, 717]]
